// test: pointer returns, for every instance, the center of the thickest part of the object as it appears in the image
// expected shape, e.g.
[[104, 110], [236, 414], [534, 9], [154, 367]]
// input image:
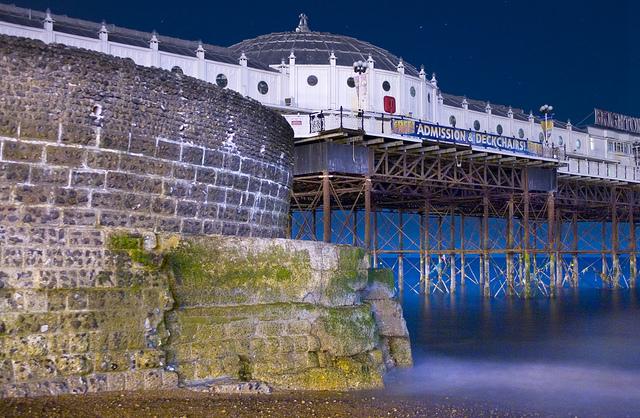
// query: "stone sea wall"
[[90, 139], [146, 311], [295, 314]]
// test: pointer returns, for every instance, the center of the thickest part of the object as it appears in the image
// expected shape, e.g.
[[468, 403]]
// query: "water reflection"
[[576, 353]]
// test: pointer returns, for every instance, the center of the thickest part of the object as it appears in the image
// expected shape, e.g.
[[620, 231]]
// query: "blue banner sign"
[[457, 136]]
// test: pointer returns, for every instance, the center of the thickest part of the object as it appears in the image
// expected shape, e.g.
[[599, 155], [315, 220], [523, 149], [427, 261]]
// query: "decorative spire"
[[569, 125], [422, 72], [243, 59], [488, 108], [303, 25], [200, 51], [332, 58], [153, 42], [531, 118], [103, 33], [370, 61], [434, 80], [47, 17], [510, 112], [465, 102]]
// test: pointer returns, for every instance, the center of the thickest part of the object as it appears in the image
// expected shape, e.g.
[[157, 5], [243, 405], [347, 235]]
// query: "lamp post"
[[546, 110], [360, 67]]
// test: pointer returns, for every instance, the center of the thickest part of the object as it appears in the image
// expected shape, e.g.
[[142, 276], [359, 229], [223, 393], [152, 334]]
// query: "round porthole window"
[[386, 86], [560, 140], [177, 70], [312, 80], [412, 91], [541, 137], [429, 97], [578, 144], [263, 87], [452, 121], [351, 82], [476, 125], [499, 129], [221, 80], [521, 133]]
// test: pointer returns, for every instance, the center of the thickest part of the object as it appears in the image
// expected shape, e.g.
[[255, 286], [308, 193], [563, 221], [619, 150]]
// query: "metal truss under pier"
[[446, 216]]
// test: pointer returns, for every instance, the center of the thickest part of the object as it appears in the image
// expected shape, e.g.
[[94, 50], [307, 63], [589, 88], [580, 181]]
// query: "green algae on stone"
[[272, 274], [348, 278], [382, 277], [346, 331], [133, 246]]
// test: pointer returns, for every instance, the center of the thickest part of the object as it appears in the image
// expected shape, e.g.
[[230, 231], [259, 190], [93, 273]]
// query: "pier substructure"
[[446, 217]]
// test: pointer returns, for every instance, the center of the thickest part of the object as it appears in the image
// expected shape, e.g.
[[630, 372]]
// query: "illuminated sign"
[[457, 136], [617, 121]]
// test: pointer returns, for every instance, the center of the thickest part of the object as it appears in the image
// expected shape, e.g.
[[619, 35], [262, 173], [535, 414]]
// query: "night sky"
[[575, 55]]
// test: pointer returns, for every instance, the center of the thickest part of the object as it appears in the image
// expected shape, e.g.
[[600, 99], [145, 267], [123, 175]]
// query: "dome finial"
[[303, 25]]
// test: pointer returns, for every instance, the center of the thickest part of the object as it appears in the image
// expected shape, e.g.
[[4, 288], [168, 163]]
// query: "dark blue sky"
[[575, 55]]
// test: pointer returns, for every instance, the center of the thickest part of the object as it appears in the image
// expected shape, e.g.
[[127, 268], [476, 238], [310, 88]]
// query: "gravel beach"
[[184, 403]]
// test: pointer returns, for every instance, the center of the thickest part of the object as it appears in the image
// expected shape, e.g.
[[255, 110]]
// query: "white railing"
[[380, 124], [601, 169]]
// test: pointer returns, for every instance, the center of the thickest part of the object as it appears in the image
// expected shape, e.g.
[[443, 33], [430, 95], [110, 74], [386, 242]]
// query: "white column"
[[103, 35], [153, 45], [531, 126], [282, 82], [510, 116], [244, 75], [370, 78], [401, 109], [465, 114], [333, 82], [48, 28], [422, 98], [434, 99], [488, 110], [200, 66], [293, 79]]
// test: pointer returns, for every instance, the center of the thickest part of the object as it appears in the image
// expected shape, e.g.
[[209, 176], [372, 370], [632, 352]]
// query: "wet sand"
[[184, 403]]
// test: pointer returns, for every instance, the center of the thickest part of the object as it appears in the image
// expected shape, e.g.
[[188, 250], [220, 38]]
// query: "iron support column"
[[509, 252], [326, 207]]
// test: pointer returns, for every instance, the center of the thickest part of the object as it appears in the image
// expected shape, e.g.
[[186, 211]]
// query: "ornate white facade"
[[329, 84]]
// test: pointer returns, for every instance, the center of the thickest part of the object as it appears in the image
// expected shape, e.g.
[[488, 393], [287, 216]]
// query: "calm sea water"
[[577, 354]]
